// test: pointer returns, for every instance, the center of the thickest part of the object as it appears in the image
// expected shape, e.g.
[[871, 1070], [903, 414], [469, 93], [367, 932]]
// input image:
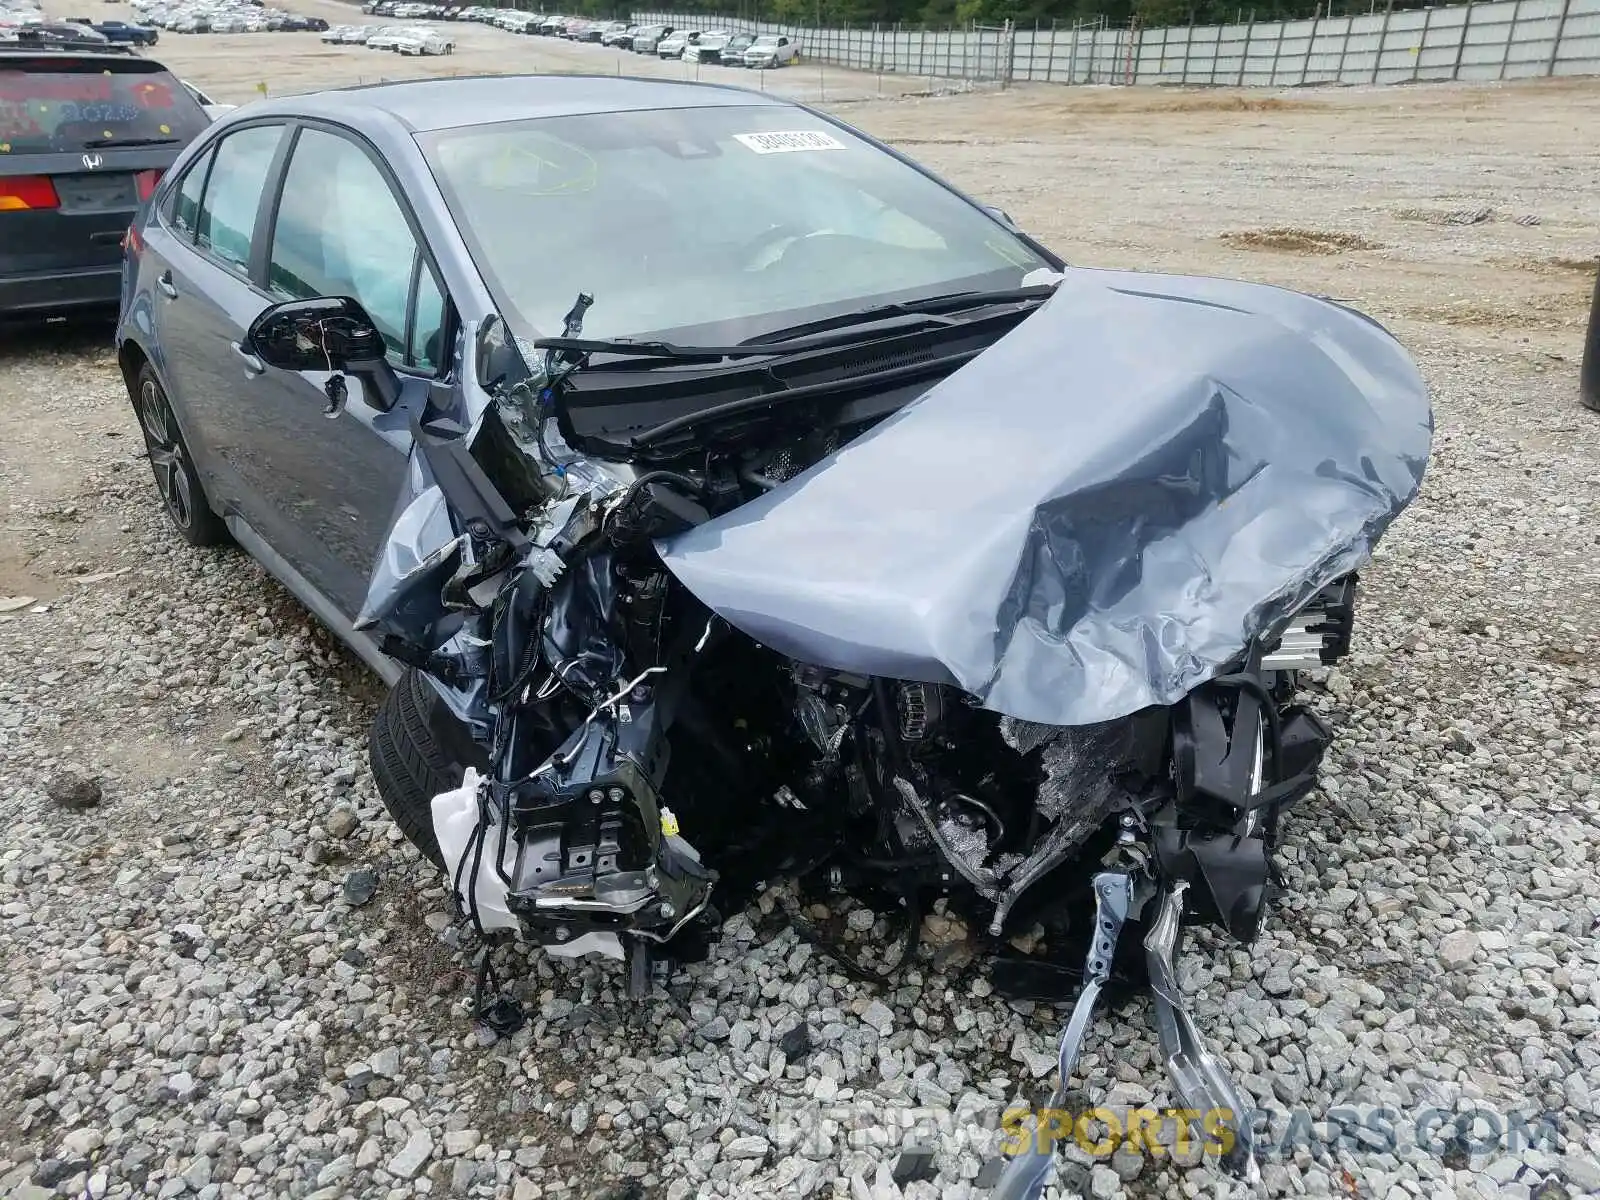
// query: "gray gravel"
[[195, 1003]]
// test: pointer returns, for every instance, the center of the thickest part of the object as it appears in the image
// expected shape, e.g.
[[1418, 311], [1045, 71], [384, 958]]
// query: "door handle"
[[252, 364], [168, 288]]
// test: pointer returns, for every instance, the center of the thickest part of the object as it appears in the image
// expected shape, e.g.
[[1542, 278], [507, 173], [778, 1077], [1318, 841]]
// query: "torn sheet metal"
[[1098, 512]]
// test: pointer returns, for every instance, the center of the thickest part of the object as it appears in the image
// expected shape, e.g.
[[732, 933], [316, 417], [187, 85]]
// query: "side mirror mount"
[[327, 333]]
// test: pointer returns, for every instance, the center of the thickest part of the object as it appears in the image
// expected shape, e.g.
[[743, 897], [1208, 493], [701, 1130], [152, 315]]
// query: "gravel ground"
[[199, 999]]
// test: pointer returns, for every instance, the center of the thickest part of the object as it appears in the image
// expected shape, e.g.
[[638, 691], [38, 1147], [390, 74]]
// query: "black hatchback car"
[[85, 136]]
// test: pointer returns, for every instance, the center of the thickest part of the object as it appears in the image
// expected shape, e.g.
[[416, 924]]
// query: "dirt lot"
[[1462, 216], [1461, 795]]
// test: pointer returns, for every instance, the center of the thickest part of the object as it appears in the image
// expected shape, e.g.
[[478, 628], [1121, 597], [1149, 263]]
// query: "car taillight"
[[132, 243], [146, 182], [19, 192]]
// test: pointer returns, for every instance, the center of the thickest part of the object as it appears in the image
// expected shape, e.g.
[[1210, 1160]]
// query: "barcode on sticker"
[[783, 143]]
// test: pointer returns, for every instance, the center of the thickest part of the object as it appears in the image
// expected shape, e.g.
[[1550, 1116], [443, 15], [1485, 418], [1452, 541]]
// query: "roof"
[[428, 104]]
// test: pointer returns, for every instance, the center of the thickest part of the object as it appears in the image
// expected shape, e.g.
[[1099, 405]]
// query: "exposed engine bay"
[[653, 745]]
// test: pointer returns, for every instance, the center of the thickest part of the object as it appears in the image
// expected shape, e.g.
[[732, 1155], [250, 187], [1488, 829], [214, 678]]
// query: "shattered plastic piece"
[[455, 825], [1153, 470], [796, 1042], [360, 886], [607, 945]]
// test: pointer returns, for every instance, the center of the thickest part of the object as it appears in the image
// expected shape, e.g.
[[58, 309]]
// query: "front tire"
[[172, 464], [418, 749]]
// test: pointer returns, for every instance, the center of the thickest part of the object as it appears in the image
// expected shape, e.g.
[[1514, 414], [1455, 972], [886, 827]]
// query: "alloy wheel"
[[166, 452]]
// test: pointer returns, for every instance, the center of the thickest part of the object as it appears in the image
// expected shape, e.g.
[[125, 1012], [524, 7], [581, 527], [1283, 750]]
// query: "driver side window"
[[340, 231]]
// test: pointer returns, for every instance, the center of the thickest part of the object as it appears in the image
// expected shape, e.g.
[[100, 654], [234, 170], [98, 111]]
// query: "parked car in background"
[[733, 50], [336, 34], [388, 37], [356, 35], [69, 185], [647, 38], [125, 31], [772, 50], [211, 107], [621, 38], [553, 26], [706, 47], [673, 44], [424, 42], [46, 34], [598, 31]]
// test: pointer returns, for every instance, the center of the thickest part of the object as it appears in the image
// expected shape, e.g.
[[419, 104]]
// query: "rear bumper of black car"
[[49, 293]]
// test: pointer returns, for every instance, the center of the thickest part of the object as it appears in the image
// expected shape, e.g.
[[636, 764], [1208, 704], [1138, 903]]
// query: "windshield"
[[56, 104], [765, 42], [758, 218]]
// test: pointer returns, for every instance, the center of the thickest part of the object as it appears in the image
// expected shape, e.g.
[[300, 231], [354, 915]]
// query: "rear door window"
[[226, 221], [186, 204], [58, 104]]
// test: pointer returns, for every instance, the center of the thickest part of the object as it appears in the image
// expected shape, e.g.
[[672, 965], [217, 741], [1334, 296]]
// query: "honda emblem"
[[92, 161]]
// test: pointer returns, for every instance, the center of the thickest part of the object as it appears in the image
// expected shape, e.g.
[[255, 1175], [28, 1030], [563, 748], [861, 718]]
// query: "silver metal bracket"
[[1198, 1079]]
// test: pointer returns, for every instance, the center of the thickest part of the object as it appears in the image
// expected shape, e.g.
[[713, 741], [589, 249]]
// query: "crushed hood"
[[1097, 513]]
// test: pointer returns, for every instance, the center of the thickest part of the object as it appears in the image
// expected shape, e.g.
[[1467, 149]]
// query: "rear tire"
[[418, 749], [172, 464]]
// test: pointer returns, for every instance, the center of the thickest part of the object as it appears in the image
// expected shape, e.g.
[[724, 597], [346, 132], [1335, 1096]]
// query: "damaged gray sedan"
[[832, 529]]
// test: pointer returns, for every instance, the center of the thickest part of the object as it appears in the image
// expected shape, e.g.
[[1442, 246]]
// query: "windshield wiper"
[[797, 338], [102, 143], [931, 307], [628, 346]]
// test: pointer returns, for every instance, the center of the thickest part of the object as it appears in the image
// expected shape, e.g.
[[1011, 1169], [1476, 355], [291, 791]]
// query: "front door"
[[341, 230]]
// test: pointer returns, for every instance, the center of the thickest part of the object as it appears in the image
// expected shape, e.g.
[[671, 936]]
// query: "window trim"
[[168, 211], [422, 252]]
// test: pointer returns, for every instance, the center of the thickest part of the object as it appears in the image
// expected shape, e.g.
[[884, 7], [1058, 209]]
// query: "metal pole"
[[1050, 63], [1305, 68], [1383, 38], [1165, 33], [1188, 48], [1344, 47], [1555, 44], [1277, 52], [1244, 58], [1511, 37], [1461, 46], [1422, 43]]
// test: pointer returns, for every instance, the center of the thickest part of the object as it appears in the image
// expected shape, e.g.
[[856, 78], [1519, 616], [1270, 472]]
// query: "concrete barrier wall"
[[1501, 39]]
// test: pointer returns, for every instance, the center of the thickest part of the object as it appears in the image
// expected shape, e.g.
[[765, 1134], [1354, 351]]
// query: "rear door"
[[199, 251], [83, 140]]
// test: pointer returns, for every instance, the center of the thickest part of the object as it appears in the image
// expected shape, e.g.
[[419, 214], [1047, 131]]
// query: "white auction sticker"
[[783, 143]]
